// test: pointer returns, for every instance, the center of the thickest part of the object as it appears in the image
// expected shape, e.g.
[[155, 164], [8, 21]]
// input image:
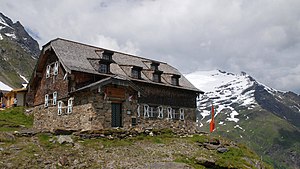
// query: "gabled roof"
[[76, 56]]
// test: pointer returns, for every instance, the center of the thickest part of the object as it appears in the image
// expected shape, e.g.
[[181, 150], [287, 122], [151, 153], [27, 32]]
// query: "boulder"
[[61, 139], [222, 149]]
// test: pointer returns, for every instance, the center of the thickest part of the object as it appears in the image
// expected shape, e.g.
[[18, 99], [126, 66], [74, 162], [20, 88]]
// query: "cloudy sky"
[[260, 37]]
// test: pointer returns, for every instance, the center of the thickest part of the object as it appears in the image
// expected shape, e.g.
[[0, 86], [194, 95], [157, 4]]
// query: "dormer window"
[[107, 55], [136, 72], [156, 78], [154, 66], [175, 80], [103, 68]]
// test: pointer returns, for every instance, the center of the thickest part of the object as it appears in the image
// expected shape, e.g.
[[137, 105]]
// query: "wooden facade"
[[69, 89]]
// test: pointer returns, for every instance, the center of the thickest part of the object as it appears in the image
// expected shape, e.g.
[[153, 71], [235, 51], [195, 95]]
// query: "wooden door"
[[116, 115]]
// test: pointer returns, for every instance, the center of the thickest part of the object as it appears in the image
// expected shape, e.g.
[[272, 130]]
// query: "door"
[[116, 115]]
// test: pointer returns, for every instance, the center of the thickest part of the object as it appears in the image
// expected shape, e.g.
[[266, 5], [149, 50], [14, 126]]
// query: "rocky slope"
[[23, 147], [18, 53], [266, 119]]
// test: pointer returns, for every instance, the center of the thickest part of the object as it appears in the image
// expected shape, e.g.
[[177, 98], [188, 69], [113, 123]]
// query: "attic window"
[[156, 78], [154, 66], [107, 55], [103, 68], [136, 72], [175, 80]]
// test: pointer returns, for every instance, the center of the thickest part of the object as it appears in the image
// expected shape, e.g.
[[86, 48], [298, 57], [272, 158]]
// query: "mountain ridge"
[[18, 53], [265, 119]]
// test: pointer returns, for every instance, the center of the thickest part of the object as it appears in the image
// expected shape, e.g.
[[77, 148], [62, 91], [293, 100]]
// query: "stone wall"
[[92, 111]]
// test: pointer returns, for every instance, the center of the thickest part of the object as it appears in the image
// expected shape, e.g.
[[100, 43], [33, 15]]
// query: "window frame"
[[59, 108], [103, 68], [46, 101], [48, 71], [54, 100], [70, 105], [55, 69]]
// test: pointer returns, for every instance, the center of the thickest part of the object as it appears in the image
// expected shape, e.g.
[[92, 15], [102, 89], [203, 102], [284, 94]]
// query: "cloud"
[[261, 38]]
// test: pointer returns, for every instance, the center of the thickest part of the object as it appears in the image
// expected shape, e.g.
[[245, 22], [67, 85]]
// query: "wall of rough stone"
[[92, 111]]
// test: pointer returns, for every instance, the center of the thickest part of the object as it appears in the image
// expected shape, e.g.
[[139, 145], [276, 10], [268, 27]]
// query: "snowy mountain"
[[265, 119], [17, 33], [18, 53]]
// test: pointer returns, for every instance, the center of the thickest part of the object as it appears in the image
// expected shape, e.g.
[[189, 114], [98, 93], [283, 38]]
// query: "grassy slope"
[[134, 152], [273, 138], [17, 60]]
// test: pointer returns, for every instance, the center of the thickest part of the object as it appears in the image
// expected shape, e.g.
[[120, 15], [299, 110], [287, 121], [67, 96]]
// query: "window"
[[59, 108], [146, 111], [104, 68], [55, 70], [54, 98], [169, 109], [106, 57], [154, 65], [135, 73], [175, 81], [46, 100], [48, 71], [70, 106], [181, 111], [160, 112], [156, 77]]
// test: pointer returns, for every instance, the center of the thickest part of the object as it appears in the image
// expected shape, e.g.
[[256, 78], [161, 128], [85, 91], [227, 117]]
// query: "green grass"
[[13, 118]]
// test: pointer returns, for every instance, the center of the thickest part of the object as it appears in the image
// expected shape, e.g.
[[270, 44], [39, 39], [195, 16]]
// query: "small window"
[[48, 69], [169, 109], [106, 57], [136, 73], [154, 66], [55, 70], [70, 106], [175, 81], [59, 108], [181, 111], [46, 100], [54, 98], [156, 77], [146, 111], [104, 68], [160, 112]]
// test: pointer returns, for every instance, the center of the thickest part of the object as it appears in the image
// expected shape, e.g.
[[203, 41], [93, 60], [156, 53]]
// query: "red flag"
[[212, 122]]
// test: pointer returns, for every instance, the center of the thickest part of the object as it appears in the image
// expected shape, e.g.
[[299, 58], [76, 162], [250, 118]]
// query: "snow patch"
[[5, 87], [24, 78], [237, 126], [1, 38], [12, 35]]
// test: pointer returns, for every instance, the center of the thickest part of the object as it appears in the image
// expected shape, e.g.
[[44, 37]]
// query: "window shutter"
[[46, 100], [169, 112], [55, 71], [181, 110], [59, 108], [138, 110], [48, 71], [160, 112], [70, 106], [146, 111], [54, 98]]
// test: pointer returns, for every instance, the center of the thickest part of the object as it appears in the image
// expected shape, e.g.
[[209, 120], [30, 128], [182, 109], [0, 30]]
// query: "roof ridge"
[[115, 51]]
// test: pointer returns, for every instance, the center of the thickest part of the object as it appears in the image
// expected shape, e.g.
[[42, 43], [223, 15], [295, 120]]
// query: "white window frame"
[[70, 105], [54, 100], [48, 69], [181, 111], [138, 110], [146, 111], [59, 108], [55, 70], [46, 100], [169, 110], [160, 112]]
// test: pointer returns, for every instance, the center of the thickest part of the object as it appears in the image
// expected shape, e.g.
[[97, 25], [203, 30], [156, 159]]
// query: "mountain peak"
[[16, 32]]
